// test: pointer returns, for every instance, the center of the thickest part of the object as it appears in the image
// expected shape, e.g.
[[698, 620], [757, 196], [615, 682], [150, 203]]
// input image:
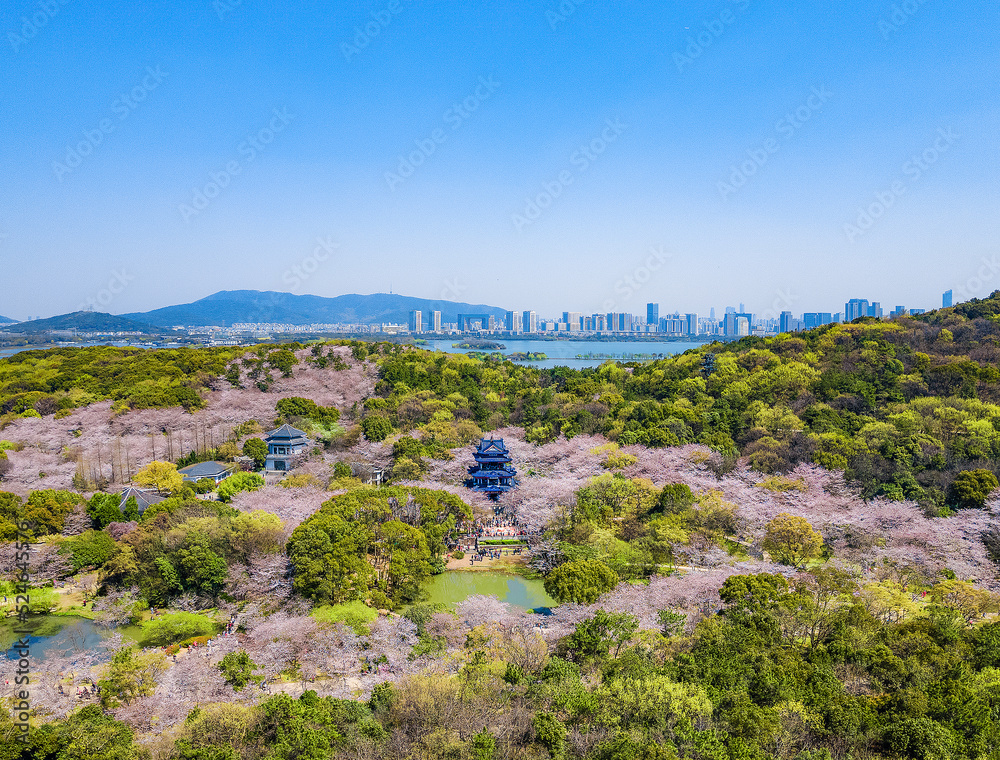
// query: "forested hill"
[[902, 406], [229, 306], [85, 321], [5, 320]]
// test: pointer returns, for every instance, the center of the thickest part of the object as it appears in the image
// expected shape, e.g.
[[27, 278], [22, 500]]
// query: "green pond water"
[[56, 633], [455, 586]]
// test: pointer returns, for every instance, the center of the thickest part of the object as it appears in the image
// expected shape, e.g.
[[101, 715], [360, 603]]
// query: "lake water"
[[564, 353], [455, 586], [561, 353]]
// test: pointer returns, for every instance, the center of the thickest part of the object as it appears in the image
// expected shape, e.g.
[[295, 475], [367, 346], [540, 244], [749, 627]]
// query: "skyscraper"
[[529, 322], [416, 321], [692, 323], [946, 299], [436, 321], [784, 322], [856, 307], [510, 321], [653, 314], [817, 318], [573, 320]]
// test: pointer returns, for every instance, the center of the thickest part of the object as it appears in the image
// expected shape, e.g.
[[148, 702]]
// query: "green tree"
[[103, 509], [376, 427], [581, 581], [201, 568], [791, 540], [971, 488], [91, 548], [256, 449], [129, 676], [551, 734], [675, 498], [599, 636], [237, 668], [131, 511]]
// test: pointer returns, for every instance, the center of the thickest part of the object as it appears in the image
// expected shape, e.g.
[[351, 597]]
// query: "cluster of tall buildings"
[[735, 323]]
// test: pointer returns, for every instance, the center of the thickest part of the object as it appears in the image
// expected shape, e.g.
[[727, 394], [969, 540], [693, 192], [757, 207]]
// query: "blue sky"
[[530, 156]]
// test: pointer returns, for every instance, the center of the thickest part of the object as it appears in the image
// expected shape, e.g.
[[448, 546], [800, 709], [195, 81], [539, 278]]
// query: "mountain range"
[[229, 306], [5, 320]]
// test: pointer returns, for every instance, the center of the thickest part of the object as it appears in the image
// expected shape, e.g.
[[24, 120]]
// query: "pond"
[[455, 586], [56, 633]]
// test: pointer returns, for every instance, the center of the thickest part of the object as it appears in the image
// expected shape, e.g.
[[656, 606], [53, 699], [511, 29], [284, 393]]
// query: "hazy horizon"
[[568, 156]]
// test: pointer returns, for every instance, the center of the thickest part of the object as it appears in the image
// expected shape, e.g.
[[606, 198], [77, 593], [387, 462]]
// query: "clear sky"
[[527, 155]]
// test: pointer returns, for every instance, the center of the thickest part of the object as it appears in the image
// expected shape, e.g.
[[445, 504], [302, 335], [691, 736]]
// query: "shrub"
[[581, 581], [241, 481], [458, 554]]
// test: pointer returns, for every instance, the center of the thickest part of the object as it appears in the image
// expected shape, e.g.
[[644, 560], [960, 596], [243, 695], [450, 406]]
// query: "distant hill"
[[229, 306], [5, 320], [84, 321]]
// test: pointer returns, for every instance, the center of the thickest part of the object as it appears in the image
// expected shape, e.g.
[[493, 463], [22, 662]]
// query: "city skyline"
[[608, 156]]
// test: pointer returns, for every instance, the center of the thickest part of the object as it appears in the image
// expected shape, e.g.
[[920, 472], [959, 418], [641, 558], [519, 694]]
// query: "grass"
[[501, 541], [355, 614], [177, 626]]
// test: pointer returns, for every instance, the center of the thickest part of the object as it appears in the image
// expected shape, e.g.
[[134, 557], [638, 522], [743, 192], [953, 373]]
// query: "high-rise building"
[[855, 308], [784, 322], [711, 313], [416, 321], [875, 310], [599, 322], [742, 308], [653, 314], [436, 321], [692, 323], [946, 299], [816, 318], [742, 326], [573, 320], [529, 322], [510, 321]]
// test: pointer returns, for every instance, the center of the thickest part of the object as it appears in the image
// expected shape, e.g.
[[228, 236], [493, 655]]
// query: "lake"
[[455, 586], [563, 353]]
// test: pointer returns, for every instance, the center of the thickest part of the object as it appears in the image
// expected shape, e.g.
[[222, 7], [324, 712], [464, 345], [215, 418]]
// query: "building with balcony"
[[283, 445]]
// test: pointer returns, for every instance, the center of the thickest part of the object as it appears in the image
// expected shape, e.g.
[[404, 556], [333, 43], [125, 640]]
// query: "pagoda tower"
[[493, 473]]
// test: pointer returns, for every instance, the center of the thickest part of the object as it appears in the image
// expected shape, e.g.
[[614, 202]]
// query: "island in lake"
[[485, 345]]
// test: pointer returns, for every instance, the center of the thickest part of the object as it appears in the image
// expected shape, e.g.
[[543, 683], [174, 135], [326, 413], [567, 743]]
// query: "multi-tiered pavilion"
[[493, 473]]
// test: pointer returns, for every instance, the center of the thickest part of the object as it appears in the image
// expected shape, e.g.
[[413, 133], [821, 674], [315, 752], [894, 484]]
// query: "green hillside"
[[902, 406], [83, 321]]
